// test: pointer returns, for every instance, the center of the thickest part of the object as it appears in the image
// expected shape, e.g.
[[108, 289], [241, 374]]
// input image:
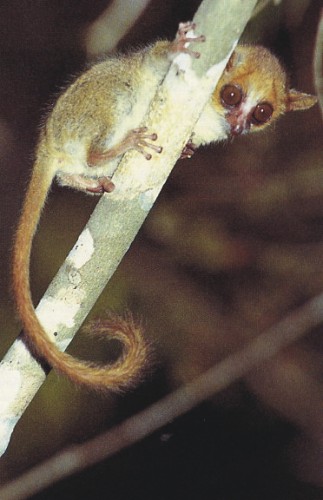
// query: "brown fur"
[[92, 119]]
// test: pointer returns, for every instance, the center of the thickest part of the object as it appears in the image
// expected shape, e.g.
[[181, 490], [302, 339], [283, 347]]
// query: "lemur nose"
[[239, 128]]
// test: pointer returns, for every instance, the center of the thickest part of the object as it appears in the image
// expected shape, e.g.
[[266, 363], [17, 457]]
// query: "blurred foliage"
[[234, 242]]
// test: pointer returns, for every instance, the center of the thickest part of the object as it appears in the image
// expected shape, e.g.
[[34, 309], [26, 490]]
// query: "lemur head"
[[254, 91]]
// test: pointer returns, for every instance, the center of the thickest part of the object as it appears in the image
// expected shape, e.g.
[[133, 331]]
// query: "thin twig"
[[105, 32], [318, 62]]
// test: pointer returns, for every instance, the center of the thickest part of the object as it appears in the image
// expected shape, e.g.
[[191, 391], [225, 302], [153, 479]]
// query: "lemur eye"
[[231, 95], [262, 113]]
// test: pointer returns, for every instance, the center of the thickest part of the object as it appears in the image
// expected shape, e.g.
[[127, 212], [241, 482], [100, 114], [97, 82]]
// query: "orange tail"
[[118, 376]]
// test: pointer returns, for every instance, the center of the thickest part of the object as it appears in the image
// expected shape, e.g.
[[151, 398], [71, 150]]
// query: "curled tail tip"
[[136, 358]]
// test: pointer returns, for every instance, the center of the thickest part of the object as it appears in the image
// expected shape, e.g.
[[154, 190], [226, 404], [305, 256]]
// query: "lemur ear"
[[234, 60], [297, 101]]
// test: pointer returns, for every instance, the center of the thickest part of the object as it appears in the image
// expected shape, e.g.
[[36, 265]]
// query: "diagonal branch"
[[118, 216]]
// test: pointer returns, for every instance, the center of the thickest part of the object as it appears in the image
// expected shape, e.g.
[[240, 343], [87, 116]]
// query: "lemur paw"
[[182, 39]]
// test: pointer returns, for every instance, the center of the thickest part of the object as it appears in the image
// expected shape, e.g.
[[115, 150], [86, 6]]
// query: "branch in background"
[[118, 216], [294, 10], [262, 4], [77, 458], [318, 62], [105, 32]]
